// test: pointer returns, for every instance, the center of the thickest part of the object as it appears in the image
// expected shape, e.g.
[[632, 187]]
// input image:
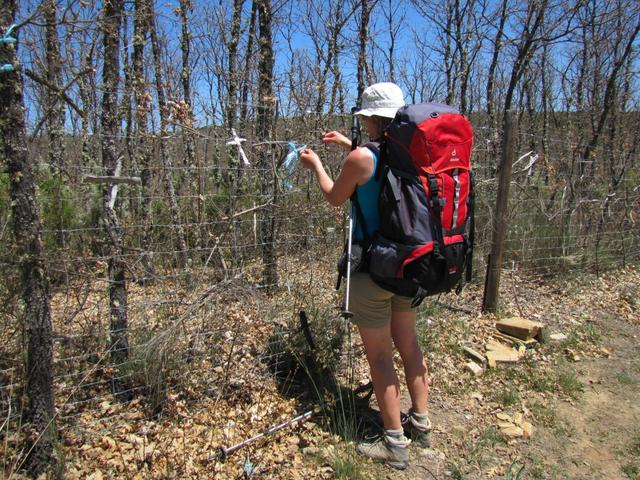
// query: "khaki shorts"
[[372, 305]]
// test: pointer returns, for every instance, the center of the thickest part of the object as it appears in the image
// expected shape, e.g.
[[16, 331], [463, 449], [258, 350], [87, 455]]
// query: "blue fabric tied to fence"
[[6, 40], [7, 36], [289, 163]]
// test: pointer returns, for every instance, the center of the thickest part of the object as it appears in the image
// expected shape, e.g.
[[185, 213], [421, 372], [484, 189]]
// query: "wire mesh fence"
[[208, 329]]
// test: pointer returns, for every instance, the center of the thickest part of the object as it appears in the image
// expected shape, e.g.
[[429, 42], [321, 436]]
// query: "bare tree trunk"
[[266, 109], [363, 38], [142, 148], [54, 106], [491, 76], [546, 103], [166, 160], [528, 43], [54, 109], [232, 104], [112, 162], [394, 23], [246, 81], [450, 59], [190, 159], [84, 84], [39, 413], [463, 17]]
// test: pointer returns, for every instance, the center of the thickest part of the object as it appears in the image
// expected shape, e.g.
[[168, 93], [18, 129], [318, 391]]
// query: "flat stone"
[[503, 416], [516, 342], [527, 429], [558, 337], [491, 361], [512, 431], [501, 353], [474, 355], [474, 368], [519, 327]]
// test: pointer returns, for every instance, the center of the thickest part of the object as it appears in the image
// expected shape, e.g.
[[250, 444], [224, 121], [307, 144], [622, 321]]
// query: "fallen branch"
[[111, 179], [249, 210]]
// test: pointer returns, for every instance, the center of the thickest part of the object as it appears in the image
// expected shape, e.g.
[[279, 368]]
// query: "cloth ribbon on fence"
[[6, 40], [236, 140], [290, 161]]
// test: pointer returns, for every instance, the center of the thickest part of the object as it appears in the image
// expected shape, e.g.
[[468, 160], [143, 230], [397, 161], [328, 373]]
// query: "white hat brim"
[[387, 112]]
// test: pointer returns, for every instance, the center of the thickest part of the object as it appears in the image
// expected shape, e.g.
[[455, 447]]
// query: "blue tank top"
[[368, 199]]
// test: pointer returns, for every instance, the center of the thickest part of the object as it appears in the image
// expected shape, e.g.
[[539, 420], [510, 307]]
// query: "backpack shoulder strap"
[[360, 216]]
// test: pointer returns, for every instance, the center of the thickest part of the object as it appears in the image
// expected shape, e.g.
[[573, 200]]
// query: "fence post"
[[494, 262]]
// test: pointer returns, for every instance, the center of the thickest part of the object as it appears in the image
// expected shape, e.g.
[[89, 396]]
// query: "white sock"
[[420, 420], [396, 437]]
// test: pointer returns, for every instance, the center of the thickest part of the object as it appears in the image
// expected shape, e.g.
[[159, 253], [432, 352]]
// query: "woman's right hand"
[[309, 159], [336, 138]]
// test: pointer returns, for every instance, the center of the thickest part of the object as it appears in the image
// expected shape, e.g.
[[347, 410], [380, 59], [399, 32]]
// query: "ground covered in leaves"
[[211, 369]]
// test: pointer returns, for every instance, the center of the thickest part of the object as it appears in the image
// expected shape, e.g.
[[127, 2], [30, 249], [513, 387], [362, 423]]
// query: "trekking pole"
[[223, 453], [355, 139]]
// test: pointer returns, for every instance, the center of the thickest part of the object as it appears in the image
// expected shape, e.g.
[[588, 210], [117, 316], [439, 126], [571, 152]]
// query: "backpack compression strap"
[[472, 225], [436, 203], [439, 251]]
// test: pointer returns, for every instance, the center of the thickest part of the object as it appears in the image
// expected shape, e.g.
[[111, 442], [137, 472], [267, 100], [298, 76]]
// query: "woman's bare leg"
[[379, 350], [403, 332]]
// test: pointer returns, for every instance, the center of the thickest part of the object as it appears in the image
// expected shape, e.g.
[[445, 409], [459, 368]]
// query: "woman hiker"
[[381, 316]]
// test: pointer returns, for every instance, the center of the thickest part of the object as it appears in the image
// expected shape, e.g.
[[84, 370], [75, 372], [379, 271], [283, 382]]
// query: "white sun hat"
[[381, 99]]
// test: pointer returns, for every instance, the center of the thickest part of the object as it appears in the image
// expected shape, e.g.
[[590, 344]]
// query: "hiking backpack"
[[426, 203]]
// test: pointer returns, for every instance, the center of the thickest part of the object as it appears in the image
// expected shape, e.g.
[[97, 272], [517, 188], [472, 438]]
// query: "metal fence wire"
[[205, 329]]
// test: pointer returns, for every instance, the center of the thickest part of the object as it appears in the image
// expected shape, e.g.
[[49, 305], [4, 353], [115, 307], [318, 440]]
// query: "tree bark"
[[363, 38], [111, 162], [190, 160], [491, 76], [142, 150], [266, 113], [54, 109], [55, 124], [39, 412], [232, 104], [246, 81], [165, 158]]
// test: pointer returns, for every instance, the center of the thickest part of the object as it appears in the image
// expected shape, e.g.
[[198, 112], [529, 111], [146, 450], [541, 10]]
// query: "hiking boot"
[[391, 448], [418, 428]]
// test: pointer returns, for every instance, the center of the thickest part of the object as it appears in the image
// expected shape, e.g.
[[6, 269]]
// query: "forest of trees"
[[115, 163]]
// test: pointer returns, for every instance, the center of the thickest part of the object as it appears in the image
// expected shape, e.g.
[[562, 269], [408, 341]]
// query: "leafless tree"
[[265, 118], [143, 147], [28, 233], [163, 113], [112, 164], [232, 45], [363, 75]]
